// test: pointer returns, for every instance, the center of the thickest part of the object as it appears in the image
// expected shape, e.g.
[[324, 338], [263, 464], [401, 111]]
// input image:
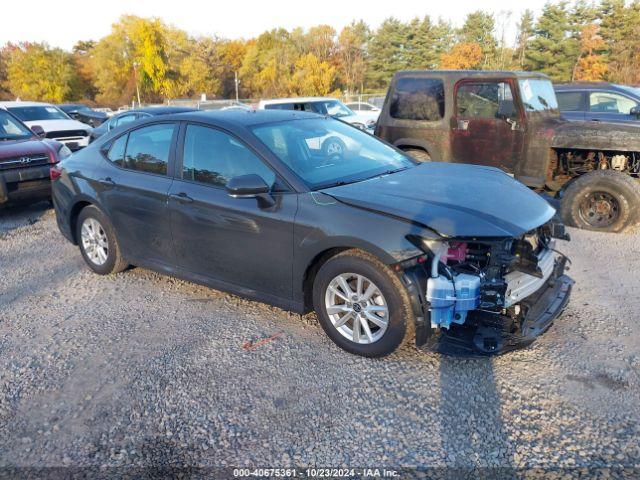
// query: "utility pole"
[[237, 82], [135, 73]]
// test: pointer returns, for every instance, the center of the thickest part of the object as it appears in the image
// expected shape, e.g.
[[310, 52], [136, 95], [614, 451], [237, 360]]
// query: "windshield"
[[334, 108], [632, 90], [38, 112], [538, 95], [11, 129], [324, 152]]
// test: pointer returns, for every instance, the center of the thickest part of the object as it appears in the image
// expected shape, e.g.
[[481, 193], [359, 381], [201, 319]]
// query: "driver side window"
[[485, 100], [213, 157]]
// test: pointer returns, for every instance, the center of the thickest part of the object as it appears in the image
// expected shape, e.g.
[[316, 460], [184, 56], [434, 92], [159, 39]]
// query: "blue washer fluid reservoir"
[[467, 292], [441, 295]]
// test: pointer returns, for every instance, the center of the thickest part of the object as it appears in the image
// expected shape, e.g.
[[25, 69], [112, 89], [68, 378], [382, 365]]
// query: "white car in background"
[[56, 124], [323, 106]]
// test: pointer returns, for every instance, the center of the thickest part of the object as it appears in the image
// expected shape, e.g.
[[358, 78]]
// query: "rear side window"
[[214, 157], [279, 106], [569, 101], [144, 150], [607, 102], [116, 152], [418, 99]]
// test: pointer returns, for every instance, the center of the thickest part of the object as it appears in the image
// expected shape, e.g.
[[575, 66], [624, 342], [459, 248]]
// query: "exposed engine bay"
[[480, 294]]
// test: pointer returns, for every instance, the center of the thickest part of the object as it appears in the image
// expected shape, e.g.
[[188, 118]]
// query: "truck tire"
[[603, 200], [355, 292], [418, 154]]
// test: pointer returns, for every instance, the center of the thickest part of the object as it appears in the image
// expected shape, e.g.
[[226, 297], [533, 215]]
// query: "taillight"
[[55, 171]]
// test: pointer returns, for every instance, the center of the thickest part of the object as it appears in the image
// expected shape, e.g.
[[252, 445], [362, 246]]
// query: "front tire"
[[418, 154], [98, 243], [362, 305], [604, 201]]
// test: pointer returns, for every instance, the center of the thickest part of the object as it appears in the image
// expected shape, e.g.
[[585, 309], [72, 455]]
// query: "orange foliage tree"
[[591, 64], [463, 56]]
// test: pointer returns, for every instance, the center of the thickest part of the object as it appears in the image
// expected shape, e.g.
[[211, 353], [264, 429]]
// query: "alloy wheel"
[[357, 308], [94, 241]]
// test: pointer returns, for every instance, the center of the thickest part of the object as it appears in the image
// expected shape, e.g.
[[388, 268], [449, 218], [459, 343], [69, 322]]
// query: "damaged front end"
[[477, 296]]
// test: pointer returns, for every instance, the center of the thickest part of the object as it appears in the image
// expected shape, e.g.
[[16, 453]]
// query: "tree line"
[[149, 59]]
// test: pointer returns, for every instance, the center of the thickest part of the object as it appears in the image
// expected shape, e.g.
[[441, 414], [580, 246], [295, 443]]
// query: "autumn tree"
[[4, 92], [463, 56], [352, 55], [311, 77], [37, 72], [591, 64]]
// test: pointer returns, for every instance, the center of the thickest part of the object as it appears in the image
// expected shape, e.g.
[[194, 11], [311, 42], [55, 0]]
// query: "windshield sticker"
[[51, 109], [526, 90]]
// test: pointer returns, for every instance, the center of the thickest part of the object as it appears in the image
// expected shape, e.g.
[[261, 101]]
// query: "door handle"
[[107, 182], [181, 197], [463, 125]]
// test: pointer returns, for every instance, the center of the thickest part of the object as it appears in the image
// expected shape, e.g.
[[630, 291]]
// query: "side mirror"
[[635, 111], [247, 186], [251, 186], [38, 130]]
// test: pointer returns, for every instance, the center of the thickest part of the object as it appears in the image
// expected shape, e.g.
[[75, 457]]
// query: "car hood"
[[597, 136], [59, 125], [455, 200], [17, 148]]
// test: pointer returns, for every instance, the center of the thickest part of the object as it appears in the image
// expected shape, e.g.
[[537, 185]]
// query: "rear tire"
[[384, 319], [418, 154], [98, 243], [604, 201]]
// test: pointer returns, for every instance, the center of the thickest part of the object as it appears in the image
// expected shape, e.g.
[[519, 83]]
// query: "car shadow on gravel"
[[472, 428], [16, 216]]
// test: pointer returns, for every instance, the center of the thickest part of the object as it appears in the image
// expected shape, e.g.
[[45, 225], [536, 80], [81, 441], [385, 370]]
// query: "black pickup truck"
[[511, 120]]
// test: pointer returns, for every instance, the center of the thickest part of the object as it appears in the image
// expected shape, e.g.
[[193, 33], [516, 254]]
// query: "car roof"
[[161, 110], [25, 104], [275, 101], [577, 86], [240, 118], [472, 73]]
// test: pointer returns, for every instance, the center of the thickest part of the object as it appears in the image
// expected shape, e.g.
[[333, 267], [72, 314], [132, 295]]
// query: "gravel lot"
[[139, 369]]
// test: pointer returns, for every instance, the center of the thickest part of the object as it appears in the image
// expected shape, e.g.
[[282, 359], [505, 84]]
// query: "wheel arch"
[[321, 257], [409, 143]]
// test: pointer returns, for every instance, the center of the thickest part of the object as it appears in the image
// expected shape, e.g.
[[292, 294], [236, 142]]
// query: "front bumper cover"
[[486, 333]]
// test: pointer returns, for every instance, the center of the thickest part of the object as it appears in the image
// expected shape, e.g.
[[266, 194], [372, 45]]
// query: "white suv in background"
[[56, 124], [323, 106]]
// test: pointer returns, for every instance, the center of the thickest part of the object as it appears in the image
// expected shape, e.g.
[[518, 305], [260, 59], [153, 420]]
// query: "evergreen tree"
[[387, 52], [620, 31], [479, 29], [553, 50], [525, 32]]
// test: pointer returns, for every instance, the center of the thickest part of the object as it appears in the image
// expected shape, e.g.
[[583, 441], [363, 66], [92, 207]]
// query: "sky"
[[63, 22]]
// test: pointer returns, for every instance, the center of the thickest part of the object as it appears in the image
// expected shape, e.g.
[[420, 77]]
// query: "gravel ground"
[[142, 370]]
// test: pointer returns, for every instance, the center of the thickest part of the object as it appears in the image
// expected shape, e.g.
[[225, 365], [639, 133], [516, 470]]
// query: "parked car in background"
[[384, 249], [322, 106], [511, 120], [106, 110], [362, 107], [56, 124], [600, 102], [25, 160], [84, 114], [130, 116]]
